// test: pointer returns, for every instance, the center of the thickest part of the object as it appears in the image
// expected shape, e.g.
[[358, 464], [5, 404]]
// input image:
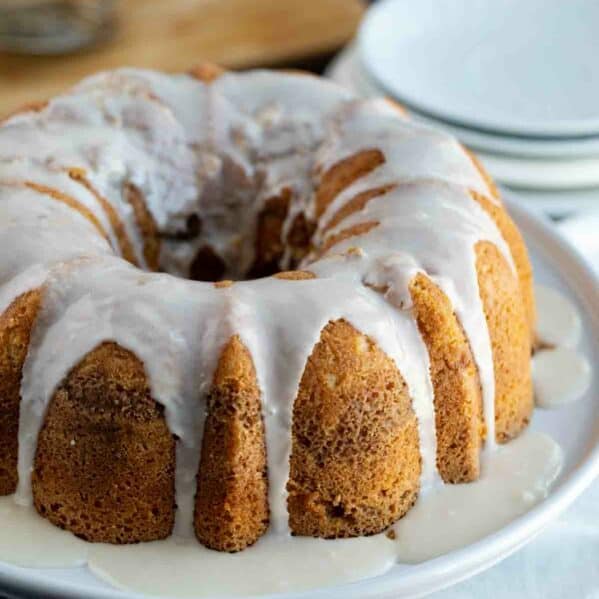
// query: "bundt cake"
[[233, 303]]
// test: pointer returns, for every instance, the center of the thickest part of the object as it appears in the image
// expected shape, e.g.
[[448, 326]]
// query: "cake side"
[[105, 459], [231, 503], [355, 460], [16, 323]]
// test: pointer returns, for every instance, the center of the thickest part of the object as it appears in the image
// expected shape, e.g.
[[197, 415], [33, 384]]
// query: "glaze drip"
[[218, 152]]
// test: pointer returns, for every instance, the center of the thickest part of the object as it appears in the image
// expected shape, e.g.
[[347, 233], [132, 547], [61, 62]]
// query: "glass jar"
[[54, 26]]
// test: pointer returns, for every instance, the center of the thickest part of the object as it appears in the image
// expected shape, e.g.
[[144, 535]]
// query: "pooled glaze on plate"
[[560, 372], [515, 477]]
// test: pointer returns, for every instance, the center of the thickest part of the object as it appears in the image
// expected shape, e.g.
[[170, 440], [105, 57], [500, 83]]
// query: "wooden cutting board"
[[175, 34]]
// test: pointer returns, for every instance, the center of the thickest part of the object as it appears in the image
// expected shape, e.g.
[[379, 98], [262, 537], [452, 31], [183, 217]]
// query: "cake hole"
[[207, 266]]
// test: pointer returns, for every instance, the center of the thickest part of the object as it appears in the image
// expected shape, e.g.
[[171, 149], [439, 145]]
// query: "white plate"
[[555, 187], [575, 427], [541, 174], [559, 203], [347, 70], [525, 67]]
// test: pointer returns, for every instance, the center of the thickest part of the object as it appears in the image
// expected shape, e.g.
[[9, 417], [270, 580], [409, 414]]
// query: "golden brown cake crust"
[[508, 329], [78, 175], [105, 459], [269, 245], [299, 238], [458, 405], [484, 174], [515, 242], [295, 275], [353, 231], [207, 72], [231, 509], [15, 329], [355, 462], [357, 203], [343, 174], [146, 224]]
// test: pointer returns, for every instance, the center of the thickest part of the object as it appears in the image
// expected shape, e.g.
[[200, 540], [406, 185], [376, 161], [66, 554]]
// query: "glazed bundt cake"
[[233, 303]]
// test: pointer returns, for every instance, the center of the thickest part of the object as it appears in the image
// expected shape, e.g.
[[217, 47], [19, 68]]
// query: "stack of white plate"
[[517, 81]]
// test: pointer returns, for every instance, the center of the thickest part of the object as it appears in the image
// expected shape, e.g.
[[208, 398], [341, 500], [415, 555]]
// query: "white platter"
[[575, 427], [557, 201], [560, 203], [542, 174], [347, 70], [525, 67]]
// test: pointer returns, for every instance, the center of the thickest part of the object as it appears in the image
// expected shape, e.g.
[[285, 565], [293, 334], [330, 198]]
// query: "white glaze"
[[408, 240], [21, 171], [561, 374], [221, 151], [435, 222], [45, 233], [558, 320], [515, 478]]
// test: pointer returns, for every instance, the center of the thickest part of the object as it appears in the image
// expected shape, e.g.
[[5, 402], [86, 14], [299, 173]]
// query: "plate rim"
[[564, 128], [487, 141], [458, 565]]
